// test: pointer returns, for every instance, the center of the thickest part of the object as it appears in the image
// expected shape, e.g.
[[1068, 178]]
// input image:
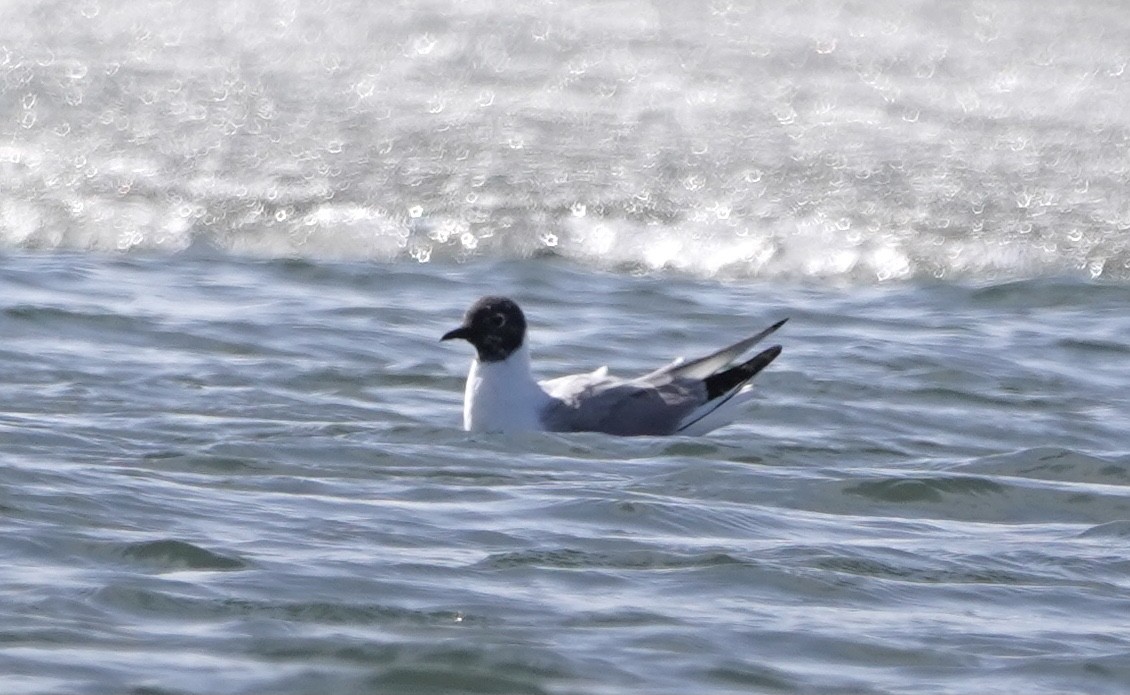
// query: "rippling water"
[[231, 235], [233, 476]]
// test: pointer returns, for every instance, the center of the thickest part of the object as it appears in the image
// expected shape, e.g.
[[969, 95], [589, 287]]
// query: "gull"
[[689, 398]]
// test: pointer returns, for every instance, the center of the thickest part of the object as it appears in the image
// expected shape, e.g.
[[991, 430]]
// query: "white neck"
[[503, 396]]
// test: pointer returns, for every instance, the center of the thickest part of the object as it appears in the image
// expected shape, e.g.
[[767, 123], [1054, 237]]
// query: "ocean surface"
[[231, 234]]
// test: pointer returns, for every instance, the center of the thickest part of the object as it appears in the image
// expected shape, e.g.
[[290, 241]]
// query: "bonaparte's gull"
[[683, 397]]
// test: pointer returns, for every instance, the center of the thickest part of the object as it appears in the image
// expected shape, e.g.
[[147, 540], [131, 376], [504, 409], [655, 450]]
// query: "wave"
[[705, 241]]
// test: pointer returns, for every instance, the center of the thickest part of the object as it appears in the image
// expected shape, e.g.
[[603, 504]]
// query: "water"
[[231, 236]]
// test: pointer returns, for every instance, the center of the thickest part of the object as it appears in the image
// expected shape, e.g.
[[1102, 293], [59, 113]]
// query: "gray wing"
[[598, 403], [705, 366], [653, 404]]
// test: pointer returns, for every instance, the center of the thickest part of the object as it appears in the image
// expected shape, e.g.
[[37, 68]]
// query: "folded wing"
[[590, 403], [688, 397]]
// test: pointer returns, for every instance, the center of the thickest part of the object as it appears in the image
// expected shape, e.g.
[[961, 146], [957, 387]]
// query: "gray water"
[[232, 233]]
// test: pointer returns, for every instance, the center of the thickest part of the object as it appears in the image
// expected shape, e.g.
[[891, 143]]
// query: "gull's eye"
[[498, 320]]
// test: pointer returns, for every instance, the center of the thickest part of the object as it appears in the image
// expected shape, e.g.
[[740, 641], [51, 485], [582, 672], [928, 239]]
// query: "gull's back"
[[681, 398], [596, 402]]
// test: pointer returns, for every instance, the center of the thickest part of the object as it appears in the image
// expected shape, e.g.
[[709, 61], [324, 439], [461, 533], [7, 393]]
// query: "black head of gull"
[[495, 326]]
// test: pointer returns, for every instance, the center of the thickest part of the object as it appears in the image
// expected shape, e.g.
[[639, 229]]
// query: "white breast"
[[503, 396]]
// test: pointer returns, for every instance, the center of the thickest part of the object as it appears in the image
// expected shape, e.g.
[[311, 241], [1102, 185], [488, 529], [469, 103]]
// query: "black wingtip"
[[725, 381]]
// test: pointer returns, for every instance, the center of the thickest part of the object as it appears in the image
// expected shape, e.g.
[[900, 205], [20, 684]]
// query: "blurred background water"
[[231, 234]]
